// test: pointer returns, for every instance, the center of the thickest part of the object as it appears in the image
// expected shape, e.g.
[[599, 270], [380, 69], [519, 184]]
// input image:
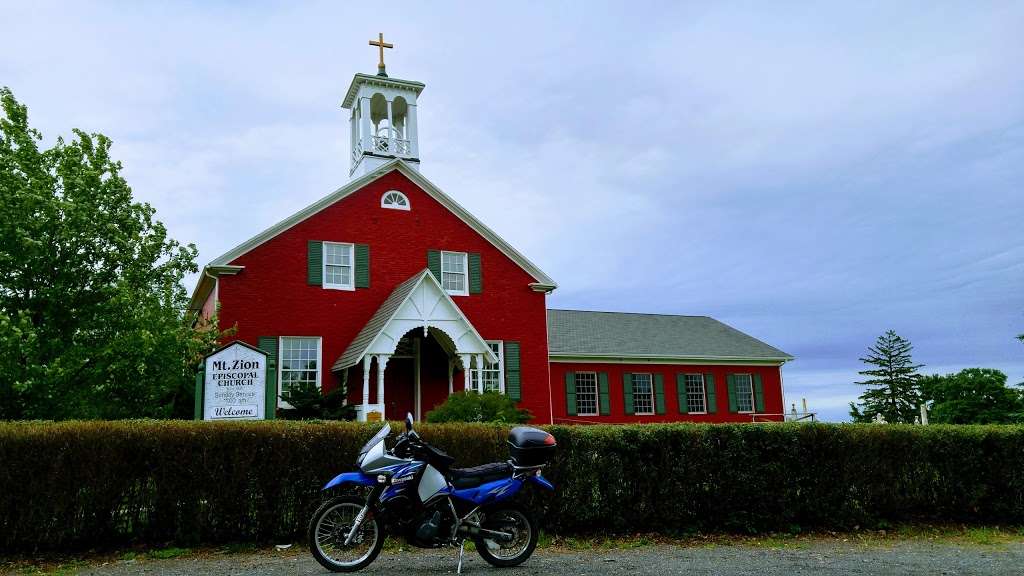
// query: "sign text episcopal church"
[[389, 287]]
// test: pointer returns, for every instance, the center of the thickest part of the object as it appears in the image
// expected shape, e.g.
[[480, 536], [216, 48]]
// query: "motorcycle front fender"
[[541, 481], [357, 478]]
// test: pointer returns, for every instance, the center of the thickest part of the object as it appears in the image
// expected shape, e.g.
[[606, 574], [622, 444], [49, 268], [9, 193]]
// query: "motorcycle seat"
[[477, 475]]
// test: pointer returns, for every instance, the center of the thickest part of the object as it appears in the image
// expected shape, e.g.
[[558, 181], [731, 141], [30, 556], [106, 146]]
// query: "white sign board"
[[235, 384]]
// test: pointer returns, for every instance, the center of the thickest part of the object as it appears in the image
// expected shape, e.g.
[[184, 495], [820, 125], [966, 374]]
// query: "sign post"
[[233, 384]]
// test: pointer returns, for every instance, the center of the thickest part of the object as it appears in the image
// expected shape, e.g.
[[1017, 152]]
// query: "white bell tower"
[[383, 118]]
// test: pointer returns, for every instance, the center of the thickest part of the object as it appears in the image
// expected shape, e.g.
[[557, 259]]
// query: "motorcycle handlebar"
[[408, 444]]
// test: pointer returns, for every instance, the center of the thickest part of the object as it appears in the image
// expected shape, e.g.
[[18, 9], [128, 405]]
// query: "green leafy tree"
[[91, 301], [972, 396], [204, 338], [894, 390], [474, 407]]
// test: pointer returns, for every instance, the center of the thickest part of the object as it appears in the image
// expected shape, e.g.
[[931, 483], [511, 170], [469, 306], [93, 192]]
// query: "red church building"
[[390, 288]]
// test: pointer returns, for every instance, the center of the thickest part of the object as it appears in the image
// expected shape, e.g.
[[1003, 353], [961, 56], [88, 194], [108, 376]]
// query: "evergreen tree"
[[309, 403], [893, 381]]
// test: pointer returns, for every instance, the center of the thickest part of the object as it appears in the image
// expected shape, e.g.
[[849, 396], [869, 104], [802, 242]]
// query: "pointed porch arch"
[[419, 303]]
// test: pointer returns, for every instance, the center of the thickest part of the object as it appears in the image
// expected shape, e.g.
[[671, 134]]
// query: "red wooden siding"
[[770, 378], [271, 296]]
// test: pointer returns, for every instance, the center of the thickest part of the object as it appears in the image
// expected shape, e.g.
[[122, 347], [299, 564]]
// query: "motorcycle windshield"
[[377, 438]]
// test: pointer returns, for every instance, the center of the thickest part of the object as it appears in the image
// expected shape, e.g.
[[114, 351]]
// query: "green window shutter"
[[315, 263], [731, 389], [269, 345], [602, 388], [709, 388], [659, 394], [570, 393], [513, 387], [200, 375], [627, 392], [681, 393], [362, 266], [434, 263], [758, 393], [476, 282]]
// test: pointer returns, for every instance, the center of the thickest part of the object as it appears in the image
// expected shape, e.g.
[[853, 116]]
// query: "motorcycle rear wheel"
[[508, 518], [330, 526]]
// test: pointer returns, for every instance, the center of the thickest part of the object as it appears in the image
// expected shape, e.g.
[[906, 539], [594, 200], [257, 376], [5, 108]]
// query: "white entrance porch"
[[419, 303]]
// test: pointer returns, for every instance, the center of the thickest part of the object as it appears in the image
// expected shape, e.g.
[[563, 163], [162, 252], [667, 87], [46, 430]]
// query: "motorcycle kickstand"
[[462, 552]]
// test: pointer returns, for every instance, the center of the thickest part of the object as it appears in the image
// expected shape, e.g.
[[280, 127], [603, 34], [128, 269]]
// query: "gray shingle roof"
[[618, 334], [355, 350]]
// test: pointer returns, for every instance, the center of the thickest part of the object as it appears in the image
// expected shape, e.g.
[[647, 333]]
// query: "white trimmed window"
[[338, 266], [299, 363], [744, 392], [394, 200], [696, 401], [586, 393], [492, 377], [454, 276], [643, 395]]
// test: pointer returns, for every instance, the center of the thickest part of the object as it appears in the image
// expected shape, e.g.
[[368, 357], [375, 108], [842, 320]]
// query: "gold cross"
[[381, 45]]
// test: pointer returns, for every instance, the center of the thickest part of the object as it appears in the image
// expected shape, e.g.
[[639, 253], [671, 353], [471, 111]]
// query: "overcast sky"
[[813, 176]]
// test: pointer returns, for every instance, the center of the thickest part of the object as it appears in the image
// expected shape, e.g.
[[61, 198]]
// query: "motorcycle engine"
[[432, 528]]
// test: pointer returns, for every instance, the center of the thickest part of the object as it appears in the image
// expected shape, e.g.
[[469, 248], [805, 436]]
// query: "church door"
[[399, 388]]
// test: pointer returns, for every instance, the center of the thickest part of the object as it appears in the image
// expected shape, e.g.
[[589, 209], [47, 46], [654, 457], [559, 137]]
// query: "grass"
[[63, 569], [973, 535], [168, 553], [960, 535], [795, 540]]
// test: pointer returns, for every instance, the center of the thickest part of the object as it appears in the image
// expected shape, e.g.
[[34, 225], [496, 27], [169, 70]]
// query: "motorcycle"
[[416, 494]]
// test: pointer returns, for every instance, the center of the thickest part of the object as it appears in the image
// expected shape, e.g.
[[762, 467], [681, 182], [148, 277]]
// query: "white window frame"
[[319, 366], [650, 376], [686, 393], [465, 273], [352, 265], [597, 395], [477, 383], [753, 400], [407, 206]]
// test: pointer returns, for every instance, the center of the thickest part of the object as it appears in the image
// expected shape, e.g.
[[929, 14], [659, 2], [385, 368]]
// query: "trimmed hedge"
[[74, 485]]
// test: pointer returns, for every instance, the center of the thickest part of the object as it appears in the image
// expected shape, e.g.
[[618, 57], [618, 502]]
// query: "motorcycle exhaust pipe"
[[489, 534]]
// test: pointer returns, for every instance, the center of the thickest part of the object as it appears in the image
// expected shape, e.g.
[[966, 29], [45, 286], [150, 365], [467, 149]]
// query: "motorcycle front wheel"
[[329, 528], [513, 520]]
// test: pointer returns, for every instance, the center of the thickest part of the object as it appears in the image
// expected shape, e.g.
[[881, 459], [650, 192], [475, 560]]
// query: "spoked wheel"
[[522, 528], [329, 528]]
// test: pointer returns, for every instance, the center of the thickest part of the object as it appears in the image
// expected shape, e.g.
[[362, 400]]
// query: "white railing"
[[802, 417], [787, 417], [397, 146]]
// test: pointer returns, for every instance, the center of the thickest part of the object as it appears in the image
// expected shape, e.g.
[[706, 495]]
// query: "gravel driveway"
[[818, 558]]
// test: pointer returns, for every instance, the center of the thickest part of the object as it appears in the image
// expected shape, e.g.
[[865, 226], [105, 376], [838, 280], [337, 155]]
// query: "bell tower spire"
[[382, 121]]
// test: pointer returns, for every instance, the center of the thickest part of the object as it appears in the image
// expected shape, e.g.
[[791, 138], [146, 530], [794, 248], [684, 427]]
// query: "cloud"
[[811, 175]]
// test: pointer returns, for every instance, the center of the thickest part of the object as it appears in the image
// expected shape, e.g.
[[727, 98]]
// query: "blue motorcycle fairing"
[[488, 493], [360, 478], [357, 478], [541, 481], [401, 479]]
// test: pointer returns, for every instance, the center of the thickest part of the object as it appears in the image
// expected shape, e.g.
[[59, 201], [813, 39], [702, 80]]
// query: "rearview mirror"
[[408, 421]]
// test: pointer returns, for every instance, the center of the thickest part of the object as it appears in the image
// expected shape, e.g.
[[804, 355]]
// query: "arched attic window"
[[394, 200]]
